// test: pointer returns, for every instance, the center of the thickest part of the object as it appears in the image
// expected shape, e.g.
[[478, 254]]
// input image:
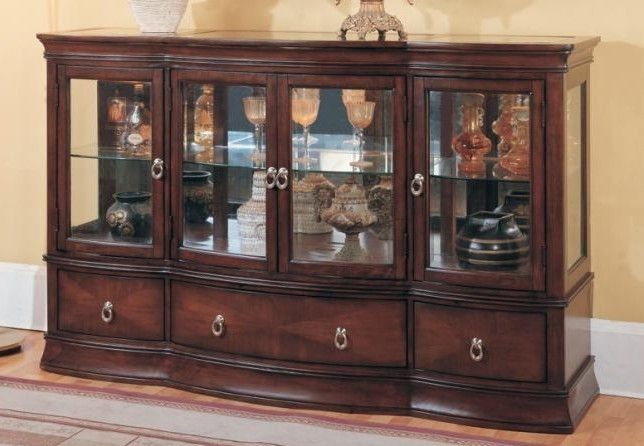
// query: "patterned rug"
[[37, 414]]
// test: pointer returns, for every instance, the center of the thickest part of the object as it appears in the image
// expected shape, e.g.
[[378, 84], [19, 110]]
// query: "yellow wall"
[[617, 105]]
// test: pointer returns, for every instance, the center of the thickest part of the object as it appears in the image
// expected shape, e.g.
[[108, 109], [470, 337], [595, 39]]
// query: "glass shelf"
[[447, 168]]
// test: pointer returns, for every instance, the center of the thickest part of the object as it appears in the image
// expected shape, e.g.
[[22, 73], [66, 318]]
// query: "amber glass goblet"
[[255, 110], [360, 116], [305, 106]]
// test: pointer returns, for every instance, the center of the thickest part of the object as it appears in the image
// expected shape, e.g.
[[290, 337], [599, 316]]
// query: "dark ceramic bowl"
[[130, 215], [197, 196], [517, 203], [492, 240]]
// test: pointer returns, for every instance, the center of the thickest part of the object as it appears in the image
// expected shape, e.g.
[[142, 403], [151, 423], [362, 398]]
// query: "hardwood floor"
[[611, 421]]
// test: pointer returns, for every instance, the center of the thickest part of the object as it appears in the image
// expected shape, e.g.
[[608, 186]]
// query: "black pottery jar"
[[197, 196], [131, 215], [492, 240], [517, 203]]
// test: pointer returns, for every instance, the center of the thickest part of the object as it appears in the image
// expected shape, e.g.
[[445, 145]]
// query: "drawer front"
[[512, 345], [290, 328], [137, 306]]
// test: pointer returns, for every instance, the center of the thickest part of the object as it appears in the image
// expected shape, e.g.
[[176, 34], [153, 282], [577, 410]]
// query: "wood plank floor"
[[611, 421]]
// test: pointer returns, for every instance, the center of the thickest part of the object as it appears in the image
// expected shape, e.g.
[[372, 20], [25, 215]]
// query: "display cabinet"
[[397, 227]]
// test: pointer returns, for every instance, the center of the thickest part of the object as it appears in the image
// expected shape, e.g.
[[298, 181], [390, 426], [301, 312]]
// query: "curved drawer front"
[[136, 310], [323, 330], [479, 343]]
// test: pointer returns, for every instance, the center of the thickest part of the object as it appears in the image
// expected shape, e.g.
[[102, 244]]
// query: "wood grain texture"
[[290, 328], [138, 305], [514, 344]]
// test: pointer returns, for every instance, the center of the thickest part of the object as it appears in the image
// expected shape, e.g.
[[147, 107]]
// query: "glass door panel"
[[111, 147], [343, 168], [224, 168], [480, 169]]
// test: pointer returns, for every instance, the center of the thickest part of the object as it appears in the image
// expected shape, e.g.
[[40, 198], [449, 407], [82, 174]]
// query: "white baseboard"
[[23, 296], [619, 351], [617, 346]]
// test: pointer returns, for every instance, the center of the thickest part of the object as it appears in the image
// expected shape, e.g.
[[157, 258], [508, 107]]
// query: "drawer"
[[137, 306], [290, 328], [512, 345]]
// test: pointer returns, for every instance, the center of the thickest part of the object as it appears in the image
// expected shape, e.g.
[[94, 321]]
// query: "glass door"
[[223, 141], [342, 168], [478, 185], [112, 158]]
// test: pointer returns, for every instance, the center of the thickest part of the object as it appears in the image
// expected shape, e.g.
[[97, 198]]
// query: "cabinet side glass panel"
[[224, 169], [342, 164], [110, 149], [575, 175], [480, 173]]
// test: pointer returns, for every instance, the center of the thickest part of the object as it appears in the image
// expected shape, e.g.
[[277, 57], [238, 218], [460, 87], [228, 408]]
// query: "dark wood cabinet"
[[396, 227]]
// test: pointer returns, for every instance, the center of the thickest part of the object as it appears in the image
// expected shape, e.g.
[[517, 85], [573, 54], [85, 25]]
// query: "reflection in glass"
[[472, 144], [224, 190], [204, 124], [360, 116], [480, 210], [110, 148], [255, 110], [575, 176], [342, 202]]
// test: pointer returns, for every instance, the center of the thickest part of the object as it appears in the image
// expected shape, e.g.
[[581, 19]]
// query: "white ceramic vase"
[[158, 16]]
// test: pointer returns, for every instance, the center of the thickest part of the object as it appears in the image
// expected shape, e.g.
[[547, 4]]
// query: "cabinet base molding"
[[536, 411]]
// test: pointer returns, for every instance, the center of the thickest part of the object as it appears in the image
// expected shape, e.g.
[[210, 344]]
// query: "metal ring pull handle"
[[107, 312], [476, 350], [218, 326], [341, 340], [271, 178], [417, 185], [158, 169], [282, 178]]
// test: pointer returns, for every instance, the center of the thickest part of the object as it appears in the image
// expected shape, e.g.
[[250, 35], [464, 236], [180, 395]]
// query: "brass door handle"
[[476, 350], [158, 169], [341, 339], [282, 179], [417, 185], [271, 178], [218, 326], [107, 312]]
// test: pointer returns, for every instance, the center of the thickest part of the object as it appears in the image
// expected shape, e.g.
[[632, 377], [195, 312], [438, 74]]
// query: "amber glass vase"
[[517, 160], [471, 144]]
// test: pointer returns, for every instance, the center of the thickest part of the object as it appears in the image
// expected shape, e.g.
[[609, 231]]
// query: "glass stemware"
[[255, 110], [360, 116], [348, 97], [305, 106]]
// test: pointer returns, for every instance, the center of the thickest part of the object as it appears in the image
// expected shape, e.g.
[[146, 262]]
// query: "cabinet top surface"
[[327, 39]]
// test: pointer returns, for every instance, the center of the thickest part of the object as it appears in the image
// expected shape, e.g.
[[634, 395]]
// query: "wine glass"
[[305, 106], [350, 96], [360, 116], [255, 110]]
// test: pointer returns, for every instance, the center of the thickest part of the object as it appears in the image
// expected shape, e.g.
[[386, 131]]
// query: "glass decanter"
[[255, 110], [517, 160], [204, 122], [471, 144], [137, 135]]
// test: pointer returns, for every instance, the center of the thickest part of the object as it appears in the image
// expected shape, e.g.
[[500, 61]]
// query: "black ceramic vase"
[[197, 196], [130, 215], [492, 240], [517, 203]]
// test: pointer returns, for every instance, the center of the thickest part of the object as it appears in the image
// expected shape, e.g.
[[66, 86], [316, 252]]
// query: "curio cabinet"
[[395, 227]]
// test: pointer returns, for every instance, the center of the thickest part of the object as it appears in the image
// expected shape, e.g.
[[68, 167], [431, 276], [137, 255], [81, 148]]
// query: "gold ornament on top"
[[372, 17]]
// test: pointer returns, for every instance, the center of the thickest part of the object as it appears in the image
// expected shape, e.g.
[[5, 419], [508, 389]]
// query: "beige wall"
[[617, 99]]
